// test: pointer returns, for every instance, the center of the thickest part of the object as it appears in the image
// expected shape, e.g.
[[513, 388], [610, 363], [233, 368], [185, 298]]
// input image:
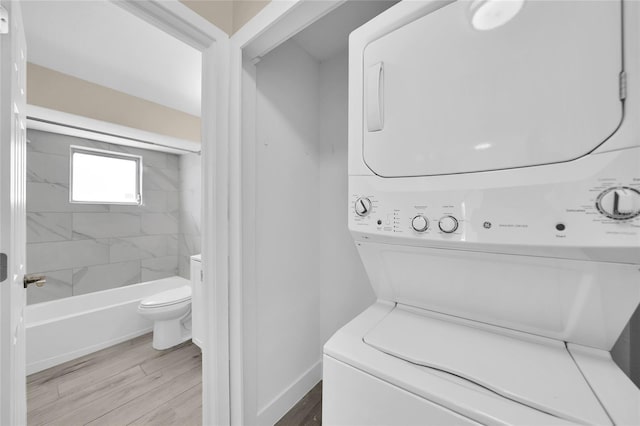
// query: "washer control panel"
[[418, 219], [592, 211], [619, 203]]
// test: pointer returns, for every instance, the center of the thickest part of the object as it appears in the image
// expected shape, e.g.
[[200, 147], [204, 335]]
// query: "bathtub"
[[65, 329]]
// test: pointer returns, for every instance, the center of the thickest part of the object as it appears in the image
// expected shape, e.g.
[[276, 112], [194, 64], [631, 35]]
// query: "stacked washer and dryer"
[[494, 181]]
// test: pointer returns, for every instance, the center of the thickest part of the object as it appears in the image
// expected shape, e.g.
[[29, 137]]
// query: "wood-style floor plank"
[[105, 367], [107, 383], [117, 398], [152, 399], [131, 383], [60, 372], [168, 359], [71, 403], [181, 412], [39, 396], [307, 412]]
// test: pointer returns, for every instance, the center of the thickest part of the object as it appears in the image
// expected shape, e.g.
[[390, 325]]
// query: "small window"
[[105, 177]]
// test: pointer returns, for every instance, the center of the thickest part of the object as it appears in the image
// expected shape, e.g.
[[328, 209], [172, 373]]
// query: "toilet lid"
[[168, 297], [537, 372]]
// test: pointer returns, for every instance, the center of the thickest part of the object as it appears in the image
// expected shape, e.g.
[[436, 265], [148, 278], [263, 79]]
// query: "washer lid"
[[168, 297], [530, 370], [443, 97]]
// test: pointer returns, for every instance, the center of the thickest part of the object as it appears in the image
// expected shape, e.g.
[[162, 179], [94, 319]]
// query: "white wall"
[[309, 280], [287, 215], [344, 287]]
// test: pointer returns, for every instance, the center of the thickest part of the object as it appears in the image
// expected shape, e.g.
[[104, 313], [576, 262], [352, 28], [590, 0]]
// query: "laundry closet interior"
[[302, 276]]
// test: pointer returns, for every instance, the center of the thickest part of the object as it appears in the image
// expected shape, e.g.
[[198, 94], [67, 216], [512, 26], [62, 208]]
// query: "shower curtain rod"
[[40, 120]]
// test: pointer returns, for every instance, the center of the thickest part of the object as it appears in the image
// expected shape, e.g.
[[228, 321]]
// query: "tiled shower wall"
[[85, 248], [189, 241]]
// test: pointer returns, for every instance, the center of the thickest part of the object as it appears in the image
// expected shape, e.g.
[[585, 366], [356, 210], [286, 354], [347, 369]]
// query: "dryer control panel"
[[586, 209]]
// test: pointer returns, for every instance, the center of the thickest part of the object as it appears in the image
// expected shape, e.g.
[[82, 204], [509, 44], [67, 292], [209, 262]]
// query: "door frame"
[[277, 22], [13, 128], [178, 20]]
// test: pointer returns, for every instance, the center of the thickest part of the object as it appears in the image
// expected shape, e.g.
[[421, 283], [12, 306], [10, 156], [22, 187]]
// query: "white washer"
[[507, 153]]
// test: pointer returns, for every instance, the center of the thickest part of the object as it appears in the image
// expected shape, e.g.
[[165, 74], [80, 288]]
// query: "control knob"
[[448, 224], [420, 223], [619, 203], [363, 206]]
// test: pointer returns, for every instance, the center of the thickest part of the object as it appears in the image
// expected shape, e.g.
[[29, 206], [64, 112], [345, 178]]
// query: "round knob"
[[420, 223], [363, 206], [448, 224], [619, 203]]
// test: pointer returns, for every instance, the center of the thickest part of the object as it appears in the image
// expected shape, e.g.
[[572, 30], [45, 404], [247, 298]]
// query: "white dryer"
[[494, 181]]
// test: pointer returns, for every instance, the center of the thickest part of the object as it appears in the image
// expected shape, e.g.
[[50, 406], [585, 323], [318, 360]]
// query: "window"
[[105, 177]]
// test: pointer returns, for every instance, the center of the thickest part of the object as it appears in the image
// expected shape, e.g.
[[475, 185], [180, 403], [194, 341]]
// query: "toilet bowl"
[[170, 312]]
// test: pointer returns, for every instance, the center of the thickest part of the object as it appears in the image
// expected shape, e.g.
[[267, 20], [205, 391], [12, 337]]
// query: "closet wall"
[[344, 287], [302, 278], [309, 280], [287, 227]]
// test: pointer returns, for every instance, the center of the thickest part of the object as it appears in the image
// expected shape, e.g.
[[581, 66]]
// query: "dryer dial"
[[619, 203], [363, 206], [420, 223], [448, 224]]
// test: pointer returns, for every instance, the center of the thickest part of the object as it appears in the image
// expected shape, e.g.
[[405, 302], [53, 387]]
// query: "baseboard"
[[57, 360], [281, 404]]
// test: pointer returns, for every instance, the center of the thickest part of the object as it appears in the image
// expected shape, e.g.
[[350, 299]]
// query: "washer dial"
[[419, 223], [619, 203], [363, 206], [448, 224]]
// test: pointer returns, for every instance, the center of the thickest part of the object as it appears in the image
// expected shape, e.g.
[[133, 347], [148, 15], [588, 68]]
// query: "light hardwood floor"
[[307, 412], [130, 383]]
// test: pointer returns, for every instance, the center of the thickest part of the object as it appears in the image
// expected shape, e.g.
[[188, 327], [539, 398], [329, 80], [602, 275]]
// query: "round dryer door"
[[445, 94]]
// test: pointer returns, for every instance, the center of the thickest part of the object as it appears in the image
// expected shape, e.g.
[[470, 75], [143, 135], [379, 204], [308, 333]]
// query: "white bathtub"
[[65, 329]]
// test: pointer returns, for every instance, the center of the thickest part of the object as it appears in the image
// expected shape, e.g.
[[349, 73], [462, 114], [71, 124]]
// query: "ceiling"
[[100, 42], [330, 34]]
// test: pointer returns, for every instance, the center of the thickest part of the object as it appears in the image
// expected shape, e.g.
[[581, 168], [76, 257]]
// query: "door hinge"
[[623, 85], [4, 21], [4, 267]]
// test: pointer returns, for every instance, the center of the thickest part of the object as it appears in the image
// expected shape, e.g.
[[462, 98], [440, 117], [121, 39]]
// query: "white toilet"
[[170, 312]]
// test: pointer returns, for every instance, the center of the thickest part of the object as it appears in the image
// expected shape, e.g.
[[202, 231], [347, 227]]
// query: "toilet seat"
[[167, 298]]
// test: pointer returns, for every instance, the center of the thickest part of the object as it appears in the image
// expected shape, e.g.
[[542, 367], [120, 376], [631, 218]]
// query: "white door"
[[13, 139]]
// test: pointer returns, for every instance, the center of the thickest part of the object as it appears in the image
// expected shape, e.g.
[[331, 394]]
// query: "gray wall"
[[626, 352], [345, 290], [87, 248], [189, 241], [634, 348]]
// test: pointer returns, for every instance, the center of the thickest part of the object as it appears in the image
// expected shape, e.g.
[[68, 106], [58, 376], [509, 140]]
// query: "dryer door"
[[443, 97]]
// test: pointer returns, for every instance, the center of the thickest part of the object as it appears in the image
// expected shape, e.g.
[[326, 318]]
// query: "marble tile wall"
[[189, 241], [87, 248]]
